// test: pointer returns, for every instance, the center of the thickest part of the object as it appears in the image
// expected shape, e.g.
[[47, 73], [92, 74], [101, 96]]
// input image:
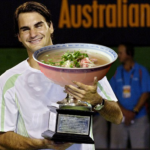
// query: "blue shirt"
[[138, 79]]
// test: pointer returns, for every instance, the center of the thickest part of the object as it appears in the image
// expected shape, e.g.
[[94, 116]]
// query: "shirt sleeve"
[[105, 90], [8, 108]]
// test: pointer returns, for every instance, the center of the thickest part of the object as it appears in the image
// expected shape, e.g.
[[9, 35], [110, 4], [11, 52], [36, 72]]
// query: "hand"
[[129, 116], [84, 92], [56, 145]]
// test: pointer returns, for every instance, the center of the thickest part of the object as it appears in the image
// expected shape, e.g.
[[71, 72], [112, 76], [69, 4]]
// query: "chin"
[[35, 48]]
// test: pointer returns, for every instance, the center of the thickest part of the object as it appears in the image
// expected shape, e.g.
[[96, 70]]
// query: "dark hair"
[[129, 49], [31, 7]]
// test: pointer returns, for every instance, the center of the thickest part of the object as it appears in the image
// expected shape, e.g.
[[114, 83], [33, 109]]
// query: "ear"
[[19, 38], [51, 27]]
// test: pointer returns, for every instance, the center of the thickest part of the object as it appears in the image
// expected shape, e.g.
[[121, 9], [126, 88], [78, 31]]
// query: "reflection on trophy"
[[70, 120]]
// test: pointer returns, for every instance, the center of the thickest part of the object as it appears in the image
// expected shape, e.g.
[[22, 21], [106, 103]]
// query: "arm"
[[12, 141], [110, 111], [144, 84], [130, 115], [141, 101]]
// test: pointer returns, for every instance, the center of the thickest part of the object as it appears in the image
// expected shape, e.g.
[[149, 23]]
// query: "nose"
[[33, 33]]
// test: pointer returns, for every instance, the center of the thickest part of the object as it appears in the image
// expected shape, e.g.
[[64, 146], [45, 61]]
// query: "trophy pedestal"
[[69, 125]]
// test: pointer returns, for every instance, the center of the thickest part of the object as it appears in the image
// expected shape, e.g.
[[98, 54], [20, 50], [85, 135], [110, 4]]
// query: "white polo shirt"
[[25, 94]]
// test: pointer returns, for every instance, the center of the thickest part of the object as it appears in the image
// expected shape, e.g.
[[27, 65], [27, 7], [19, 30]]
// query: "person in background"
[[131, 86], [25, 92]]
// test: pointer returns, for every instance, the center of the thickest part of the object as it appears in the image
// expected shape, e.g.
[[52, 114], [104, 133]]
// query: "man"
[[130, 84], [25, 91]]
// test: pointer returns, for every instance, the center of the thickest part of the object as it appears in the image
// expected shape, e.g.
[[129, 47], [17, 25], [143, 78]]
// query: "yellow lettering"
[[64, 19], [95, 17], [88, 21], [76, 16], [134, 15], [145, 12], [111, 9], [119, 13], [101, 15], [125, 17]]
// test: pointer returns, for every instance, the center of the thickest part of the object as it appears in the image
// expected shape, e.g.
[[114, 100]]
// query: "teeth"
[[35, 41]]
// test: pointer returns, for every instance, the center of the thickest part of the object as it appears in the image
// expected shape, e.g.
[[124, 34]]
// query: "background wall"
[[10, 57]]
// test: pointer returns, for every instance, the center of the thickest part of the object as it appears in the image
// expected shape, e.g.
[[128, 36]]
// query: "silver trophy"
[[70, 122]]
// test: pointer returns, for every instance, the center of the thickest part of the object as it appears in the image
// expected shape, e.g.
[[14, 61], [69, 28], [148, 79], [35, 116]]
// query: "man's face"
[[122, 55], [34, 32]]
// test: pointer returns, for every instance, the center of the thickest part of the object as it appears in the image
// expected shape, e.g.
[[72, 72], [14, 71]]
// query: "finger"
[[95, 81], [65, 91], [76, 95], [62, 102], [80, 85], [73, 88]]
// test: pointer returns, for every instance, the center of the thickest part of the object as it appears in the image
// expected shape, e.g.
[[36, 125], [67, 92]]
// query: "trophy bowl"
[[65, 76], [68, 122]]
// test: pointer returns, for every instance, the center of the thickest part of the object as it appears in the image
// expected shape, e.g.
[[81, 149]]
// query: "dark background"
[[105, 36]]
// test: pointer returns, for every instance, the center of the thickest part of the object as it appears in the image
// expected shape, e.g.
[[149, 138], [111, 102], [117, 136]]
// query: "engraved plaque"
[[69, 125], [73, 124]]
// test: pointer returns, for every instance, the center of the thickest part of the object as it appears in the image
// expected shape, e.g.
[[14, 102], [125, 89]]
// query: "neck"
[[128, 65], [32, 62]]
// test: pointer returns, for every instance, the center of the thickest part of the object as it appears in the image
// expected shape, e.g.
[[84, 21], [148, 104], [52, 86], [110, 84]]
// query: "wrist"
[[100, 105], [136, 110], [97, 100]]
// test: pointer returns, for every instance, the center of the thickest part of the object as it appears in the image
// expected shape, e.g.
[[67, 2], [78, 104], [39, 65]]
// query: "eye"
[[39, 25], [25, 29]]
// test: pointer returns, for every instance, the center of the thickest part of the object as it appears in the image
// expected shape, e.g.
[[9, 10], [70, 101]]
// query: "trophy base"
[[63, 137]]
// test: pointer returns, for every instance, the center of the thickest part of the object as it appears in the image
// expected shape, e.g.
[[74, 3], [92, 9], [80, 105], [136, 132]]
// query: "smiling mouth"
[[35, 41]]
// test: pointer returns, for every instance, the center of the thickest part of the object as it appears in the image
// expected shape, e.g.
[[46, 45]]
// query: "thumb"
[[95, 81]]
